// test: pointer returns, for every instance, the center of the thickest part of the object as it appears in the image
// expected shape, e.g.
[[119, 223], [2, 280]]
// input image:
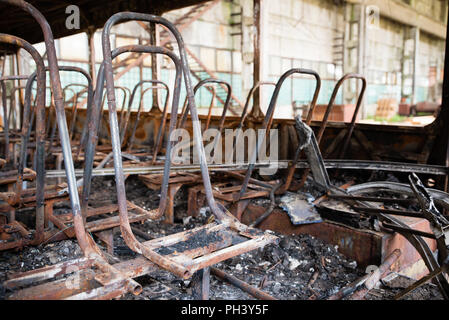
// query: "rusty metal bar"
[[127, 234], [376, 211], [368, 281], [378, 274], [269, 209], [89, 98], [269, 117], [124, 121], [89, 89], [219, 213], [92, 132], [421, 281], [13, 103], [204, 83], [161, 126], [328, 111], [409, 230], [281, 164], [332, 101], [256, 293], [157, 143], [211, 106], [225, 105], [291, 168], [125, 92], [371, 199]]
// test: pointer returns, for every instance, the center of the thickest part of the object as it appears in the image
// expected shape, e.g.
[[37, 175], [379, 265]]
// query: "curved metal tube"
[[331, 105], [74, 99], [125, 227], [440, 197], [161, 125], [227, 101], [225, 106], [269, 118], [75, 103], [133, 131], [13, 103], [125, 92], [211, 106], [60, 114], [248, 99], [89, 98], [51, 111], [123, 126], [161, 129], [292, 164], [244, 114]]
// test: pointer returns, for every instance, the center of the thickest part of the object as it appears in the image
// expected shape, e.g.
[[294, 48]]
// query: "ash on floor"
[[31, 258], [300, 267]]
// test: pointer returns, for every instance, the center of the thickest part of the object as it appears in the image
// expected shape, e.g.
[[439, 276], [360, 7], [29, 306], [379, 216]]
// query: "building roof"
[[17, 22]]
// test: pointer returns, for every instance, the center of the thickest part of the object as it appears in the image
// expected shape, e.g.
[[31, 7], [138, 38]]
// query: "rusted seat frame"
[[245, 112], [113, 276], [263, 188], [176, 182], [103, 150], [221, 215], [115, 281], [182, 118], [116, 143], [51, 195], [157, 85], [14, 134], [328, 111], [75, 106], [10, 177], [56, 195], [266, 124], [211, 106]]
